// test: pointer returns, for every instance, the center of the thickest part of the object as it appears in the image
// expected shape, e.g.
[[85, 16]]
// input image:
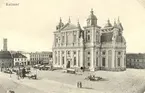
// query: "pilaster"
[[92, 60]]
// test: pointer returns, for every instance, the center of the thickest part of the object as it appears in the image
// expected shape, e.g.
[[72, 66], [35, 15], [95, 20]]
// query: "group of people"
[[79, 84], [21, 72]]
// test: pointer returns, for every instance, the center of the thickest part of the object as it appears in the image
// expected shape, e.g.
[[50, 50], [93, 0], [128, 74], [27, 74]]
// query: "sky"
[[30, 26]]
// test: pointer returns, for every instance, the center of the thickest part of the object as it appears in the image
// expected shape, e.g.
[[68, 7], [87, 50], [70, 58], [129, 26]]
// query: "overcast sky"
[[30, 25]]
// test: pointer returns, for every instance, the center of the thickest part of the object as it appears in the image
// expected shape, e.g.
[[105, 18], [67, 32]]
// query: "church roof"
[[5, 55], [18, 55], [69, 26], [120, 39], [135, 56], [106, 37]]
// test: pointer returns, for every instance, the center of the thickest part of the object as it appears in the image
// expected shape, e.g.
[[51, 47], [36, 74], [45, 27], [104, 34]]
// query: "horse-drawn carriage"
[[93, 78]]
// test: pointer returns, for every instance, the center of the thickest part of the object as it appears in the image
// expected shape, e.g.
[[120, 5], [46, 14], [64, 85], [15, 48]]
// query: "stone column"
[[107, 55], [81, 57], [122, 60], [113, 59], [77, 58], [65, 58], [53, 58], [60, 58], [57, 58], [66, 39]]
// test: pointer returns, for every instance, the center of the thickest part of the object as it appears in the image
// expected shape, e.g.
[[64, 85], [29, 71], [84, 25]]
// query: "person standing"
[[23, 72]]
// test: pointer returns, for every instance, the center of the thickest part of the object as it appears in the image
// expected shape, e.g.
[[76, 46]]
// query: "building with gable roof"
[[135, 60], [19, 59], [93, 47]]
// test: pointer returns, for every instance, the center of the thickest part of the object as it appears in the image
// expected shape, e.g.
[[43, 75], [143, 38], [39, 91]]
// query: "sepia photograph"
[[72, 46]]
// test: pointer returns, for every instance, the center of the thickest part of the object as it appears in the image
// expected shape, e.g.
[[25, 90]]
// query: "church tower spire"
[[60, 24], [120, 25], [69, 21]]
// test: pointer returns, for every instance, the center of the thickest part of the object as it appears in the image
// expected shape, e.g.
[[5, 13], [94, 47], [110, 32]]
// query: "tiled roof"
[[18, 55], [106, 37], [120, 39], [135, 56], [69, 26], [5, 55]]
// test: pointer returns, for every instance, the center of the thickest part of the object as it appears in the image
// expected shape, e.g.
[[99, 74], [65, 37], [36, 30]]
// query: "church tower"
[[4, 44], [92, 38]]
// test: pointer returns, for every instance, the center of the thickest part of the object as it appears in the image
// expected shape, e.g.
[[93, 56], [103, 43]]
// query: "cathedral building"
[[93, 47]]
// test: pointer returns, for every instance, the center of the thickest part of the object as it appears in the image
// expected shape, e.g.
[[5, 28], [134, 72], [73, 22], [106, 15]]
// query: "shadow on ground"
[[87, 88]]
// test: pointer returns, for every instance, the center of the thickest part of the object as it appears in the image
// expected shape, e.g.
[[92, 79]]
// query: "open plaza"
[[57, 81]]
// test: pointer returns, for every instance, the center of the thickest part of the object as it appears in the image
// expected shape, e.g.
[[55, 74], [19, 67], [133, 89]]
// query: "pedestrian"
[[23, 72], [79, 84]]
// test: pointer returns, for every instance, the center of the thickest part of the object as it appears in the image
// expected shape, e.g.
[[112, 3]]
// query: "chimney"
[[5, 44]]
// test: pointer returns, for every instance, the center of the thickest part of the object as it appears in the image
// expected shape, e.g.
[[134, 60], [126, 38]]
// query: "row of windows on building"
[[40, 55], [63, 61], [103, 61], [20, 63], [89, 53], [88, 59], [20, 59], [136, 60], [39, 58]]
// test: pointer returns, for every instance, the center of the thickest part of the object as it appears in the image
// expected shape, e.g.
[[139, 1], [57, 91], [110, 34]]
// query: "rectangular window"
[[119, 53], [74, 60], [103, 52], [118, 61], [89, 64], [103, 61], [88, 37], [74, 52], [97, 53], [74, 38], [97, 61], [63, 60], [62, 39], [78, 58], [88, 61]]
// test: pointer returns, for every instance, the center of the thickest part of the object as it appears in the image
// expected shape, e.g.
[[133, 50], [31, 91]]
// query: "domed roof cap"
[[92, 16], [108, 24]]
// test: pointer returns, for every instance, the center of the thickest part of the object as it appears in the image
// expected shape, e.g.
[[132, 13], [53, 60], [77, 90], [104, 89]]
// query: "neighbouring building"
[[92, 47], [19, 59], [135, 60], [27, 54], [6, 59], [40, 57]]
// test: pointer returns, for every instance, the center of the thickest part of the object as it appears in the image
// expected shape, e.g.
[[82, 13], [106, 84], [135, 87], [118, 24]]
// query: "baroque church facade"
[[93, 47]]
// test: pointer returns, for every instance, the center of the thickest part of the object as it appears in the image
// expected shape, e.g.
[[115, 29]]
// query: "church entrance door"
[[68, 64]]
